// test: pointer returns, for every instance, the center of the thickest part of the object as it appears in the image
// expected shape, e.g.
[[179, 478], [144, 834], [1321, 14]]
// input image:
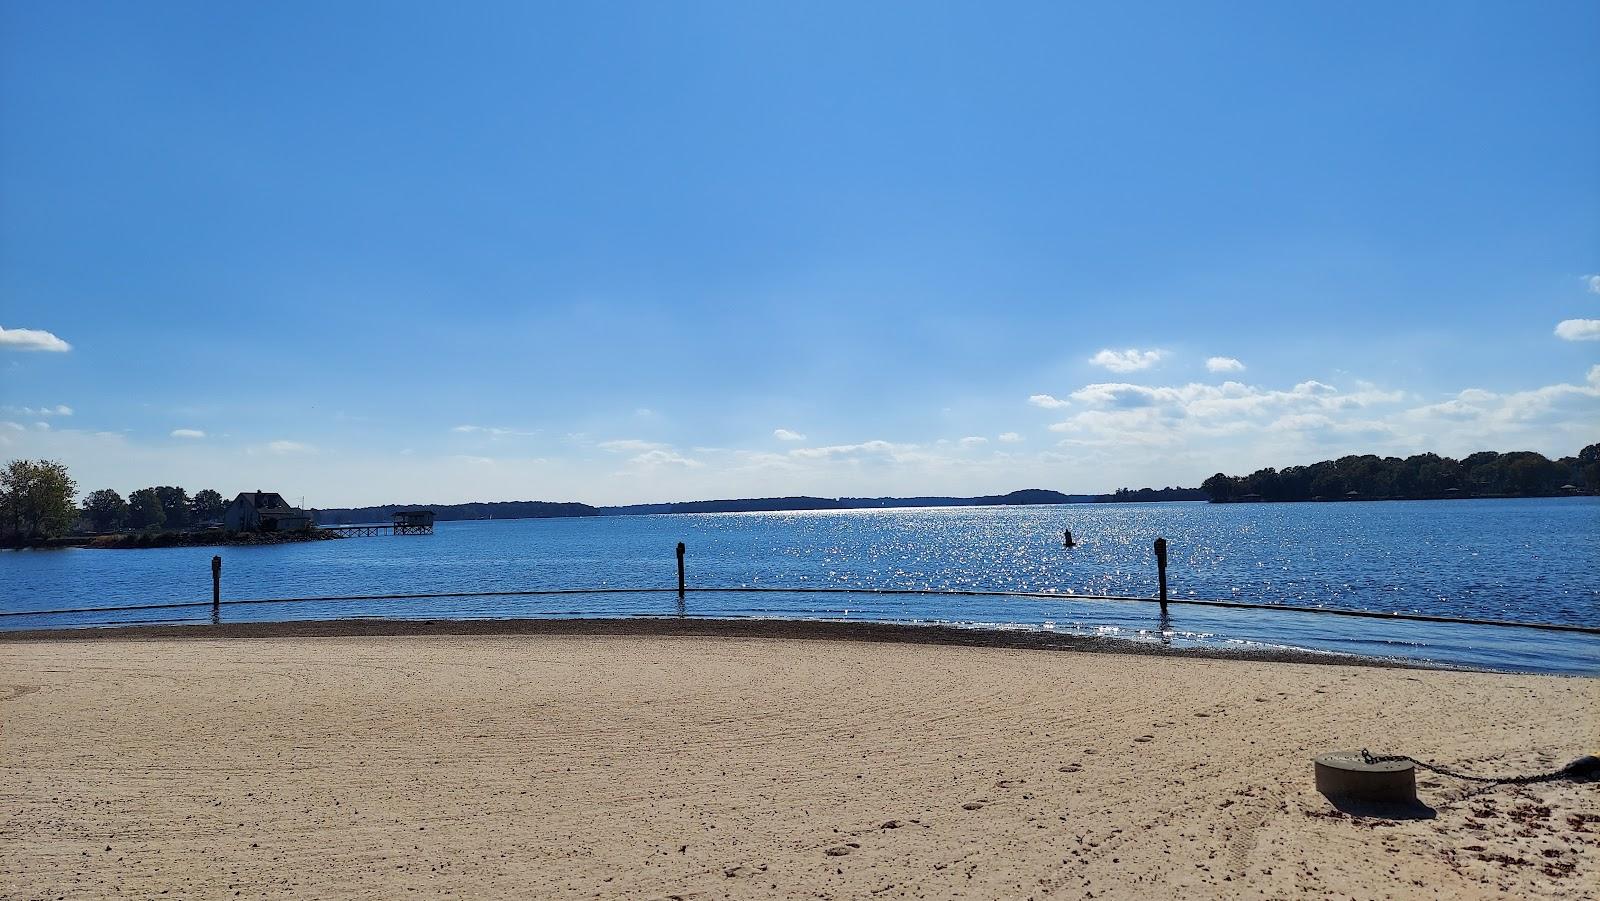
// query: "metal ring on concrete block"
[[1347, 774]]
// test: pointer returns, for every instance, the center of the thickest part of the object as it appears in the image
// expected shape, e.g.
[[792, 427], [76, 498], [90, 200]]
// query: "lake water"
[[1526, 559]]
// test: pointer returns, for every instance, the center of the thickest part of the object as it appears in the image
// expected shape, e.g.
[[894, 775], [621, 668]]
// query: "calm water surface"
[[1530, 559]]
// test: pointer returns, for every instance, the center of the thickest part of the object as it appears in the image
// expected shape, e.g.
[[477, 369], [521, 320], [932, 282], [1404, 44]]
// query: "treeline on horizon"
[[38, 498], [157, 507], [1418, 477], [38, 501], [543, 509]]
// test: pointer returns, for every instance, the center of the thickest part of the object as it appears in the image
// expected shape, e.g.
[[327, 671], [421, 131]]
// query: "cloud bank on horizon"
[[1148, 434], [848, 279]]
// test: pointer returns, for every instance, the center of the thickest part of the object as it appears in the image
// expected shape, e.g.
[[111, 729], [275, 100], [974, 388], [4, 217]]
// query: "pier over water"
[[406, 522]]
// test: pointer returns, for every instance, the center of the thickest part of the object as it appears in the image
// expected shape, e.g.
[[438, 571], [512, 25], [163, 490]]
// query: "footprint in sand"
[[1069, 768], [975, 805], [841, 850], [1144, 738]]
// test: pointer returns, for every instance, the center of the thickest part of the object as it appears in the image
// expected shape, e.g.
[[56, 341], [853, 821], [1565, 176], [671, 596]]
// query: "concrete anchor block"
[[1347, 774]]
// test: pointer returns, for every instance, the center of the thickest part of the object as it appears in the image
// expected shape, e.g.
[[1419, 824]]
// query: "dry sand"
[[618, 765]]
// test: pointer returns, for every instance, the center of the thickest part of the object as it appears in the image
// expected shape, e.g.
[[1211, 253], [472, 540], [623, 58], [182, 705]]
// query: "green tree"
[[1327, 483], [1220, 487], [36, 498], [174, 506], [1263, 482], [144, 510], [1531, 472], [105, 509], [205, 506]]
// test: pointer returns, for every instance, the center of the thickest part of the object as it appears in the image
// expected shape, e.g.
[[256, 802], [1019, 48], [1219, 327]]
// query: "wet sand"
[[374, 761]]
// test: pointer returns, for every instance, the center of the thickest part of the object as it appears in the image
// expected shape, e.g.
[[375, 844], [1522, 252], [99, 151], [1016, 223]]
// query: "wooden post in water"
[[1161, 570], [216, 586], [680, 570]]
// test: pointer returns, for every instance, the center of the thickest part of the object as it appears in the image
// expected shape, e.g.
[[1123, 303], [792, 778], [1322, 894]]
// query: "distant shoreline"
[[792, 504], [157, 540], [442, 511]]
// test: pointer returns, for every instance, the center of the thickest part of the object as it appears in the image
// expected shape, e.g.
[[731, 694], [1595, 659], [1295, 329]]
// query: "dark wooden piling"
[[680, 570], [1161, 570], [216, 585]]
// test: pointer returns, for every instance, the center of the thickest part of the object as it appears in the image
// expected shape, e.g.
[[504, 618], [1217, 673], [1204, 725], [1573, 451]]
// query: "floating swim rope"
[[1584, 769]]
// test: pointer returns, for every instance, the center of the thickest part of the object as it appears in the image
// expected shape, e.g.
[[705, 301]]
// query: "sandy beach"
[[638, 762]]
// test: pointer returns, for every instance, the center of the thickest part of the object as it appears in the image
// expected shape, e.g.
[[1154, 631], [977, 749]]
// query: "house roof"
[[263, 500]]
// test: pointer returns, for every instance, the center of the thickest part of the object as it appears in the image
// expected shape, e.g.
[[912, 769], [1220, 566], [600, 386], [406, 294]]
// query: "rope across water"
[[1032, 595]]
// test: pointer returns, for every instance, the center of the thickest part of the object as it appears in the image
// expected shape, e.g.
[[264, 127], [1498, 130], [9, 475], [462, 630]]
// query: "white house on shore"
[[264, 511]]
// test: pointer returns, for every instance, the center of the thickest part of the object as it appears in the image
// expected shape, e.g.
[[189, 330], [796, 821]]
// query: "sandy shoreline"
[[699, 627], [380, 760]]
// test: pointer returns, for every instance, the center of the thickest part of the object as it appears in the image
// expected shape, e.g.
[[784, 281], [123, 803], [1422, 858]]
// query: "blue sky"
[[638, 252]]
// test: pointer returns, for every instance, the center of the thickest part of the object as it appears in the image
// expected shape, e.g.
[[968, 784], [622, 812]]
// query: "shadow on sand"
[[1383, 810]]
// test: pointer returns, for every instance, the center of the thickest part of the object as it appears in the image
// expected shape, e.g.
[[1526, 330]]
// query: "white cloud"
[[491, 431], [1578, 329], [1184, 429], [57, 410], [787, 435], [1593, 281], [1224, 364], [1143, 415], [1493, 411], [631, 446], [1048, 402], [654, 459], [849, 450], [973, 441], [648, 455], [1129, 360], [288, 447], [188, 433], [1010, 438], [1296, 422], [31, 339]]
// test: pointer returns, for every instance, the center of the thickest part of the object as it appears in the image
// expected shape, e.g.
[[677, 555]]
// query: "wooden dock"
[[373, 531]]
